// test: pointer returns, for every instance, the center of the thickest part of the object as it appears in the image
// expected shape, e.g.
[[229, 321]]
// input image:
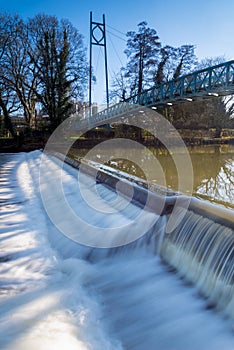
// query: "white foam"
[[51, 299], [42, 304]]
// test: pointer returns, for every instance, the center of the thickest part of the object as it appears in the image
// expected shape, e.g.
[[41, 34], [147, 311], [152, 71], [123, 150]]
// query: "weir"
[[141, 295], [200, 246], [202, 251]]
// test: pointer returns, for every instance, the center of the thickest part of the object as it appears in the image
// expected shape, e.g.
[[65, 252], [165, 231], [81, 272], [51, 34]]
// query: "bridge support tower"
[[99, 29]]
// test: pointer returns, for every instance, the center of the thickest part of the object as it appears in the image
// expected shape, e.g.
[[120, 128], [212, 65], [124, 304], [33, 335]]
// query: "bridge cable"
[[117, 36], [95, 66], [108, 67], [116, 52], [124, 34]]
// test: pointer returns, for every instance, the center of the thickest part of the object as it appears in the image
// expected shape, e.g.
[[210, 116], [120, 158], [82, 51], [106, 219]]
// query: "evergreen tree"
[[149, 64], [142, 52], [185, 60], [174, 62], [57, 51], [166, 53]]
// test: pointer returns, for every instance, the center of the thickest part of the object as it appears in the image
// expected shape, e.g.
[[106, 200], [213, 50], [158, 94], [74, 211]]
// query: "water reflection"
[[214, 176], [213, 168]]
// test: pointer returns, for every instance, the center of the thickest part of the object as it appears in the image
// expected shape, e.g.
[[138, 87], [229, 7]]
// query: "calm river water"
[[213, 168]]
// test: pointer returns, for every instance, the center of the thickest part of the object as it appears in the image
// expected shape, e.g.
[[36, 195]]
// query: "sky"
[[207, 24]]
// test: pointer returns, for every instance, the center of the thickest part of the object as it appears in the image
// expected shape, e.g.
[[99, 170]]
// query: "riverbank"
[[94, 137], [20, 144]]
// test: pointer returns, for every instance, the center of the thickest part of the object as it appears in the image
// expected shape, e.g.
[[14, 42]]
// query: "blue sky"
[[207, 24]]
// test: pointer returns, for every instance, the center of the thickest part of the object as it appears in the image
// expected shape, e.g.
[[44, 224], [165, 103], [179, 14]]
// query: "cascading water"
[[203, 252], [145, 305], [141, 289]]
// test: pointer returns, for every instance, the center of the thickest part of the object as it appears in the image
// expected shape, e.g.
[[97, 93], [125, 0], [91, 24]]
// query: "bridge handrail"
[[104, 116], [171, 83], [217, 79]]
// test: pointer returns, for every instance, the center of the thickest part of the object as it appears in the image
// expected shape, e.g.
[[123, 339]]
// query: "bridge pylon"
[[98, 38]]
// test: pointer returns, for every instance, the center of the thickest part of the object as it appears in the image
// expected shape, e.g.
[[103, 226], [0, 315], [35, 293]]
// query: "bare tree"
[[8, 99], [22, 73], [120, 87]]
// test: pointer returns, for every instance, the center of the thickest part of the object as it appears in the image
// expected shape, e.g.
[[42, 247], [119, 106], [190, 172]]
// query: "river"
[[213, 168]]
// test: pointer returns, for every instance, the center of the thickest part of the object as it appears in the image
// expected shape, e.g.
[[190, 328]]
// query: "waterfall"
[[202, 251], [133, 296], [200, 248]]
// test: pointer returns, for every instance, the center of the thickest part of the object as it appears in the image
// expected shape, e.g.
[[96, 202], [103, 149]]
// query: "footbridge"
[[213, 81]]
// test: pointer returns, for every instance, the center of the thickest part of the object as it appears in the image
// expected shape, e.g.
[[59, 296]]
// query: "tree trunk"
[[7, 119]]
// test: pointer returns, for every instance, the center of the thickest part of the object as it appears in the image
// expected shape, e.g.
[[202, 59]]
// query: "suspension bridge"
[[210, 82]]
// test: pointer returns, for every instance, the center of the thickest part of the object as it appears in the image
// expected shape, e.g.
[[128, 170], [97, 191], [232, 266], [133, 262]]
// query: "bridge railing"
[[218, 79], [105, 116]]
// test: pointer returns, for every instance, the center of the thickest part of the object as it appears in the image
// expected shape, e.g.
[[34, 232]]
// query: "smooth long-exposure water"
[[58, 294]]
